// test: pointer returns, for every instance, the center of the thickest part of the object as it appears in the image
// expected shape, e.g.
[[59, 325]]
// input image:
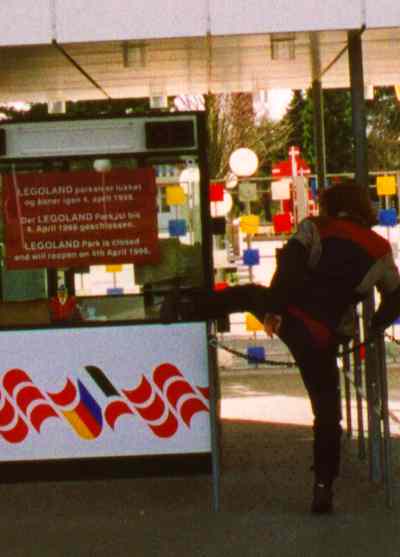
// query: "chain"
[[217, 344], [377, 408], [213, 341]]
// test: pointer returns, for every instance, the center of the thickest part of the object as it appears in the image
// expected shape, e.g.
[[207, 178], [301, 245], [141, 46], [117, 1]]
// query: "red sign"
[[284, 169], [75, 219]]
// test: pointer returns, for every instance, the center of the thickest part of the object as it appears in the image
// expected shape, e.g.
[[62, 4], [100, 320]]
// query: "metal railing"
[[364, 371]]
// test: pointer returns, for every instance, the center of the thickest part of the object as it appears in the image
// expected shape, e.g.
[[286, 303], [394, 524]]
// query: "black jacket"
[[328, 265]]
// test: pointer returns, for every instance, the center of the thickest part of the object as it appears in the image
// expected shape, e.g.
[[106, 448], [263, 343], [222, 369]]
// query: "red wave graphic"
[[140, 398], [140, 394], [66, 396], [40, 413], [17, 434], [178, 389], [168, 428], [114, 410], [190, 407], [205, 391], [7, 414], [154, 411], [27, 395], [14, 377], [164, 372]]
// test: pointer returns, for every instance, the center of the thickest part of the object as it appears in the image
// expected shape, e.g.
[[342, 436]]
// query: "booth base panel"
[[106, 468]]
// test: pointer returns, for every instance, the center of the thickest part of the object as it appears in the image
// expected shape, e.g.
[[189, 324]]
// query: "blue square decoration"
[[251, 257], [115, 291], [387, 217], [177, 227], [256, 354]]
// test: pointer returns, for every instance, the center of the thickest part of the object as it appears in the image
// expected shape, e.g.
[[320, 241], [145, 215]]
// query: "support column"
[[359, 123], [359, 120], [318, 110]]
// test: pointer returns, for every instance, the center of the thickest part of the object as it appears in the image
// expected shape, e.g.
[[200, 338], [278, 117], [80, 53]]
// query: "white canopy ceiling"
[[168, 47], [190, 65]]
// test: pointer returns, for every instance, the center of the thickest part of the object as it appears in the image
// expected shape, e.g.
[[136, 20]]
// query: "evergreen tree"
[[338, 131], [383, 118], [294, 117], [338, 128]]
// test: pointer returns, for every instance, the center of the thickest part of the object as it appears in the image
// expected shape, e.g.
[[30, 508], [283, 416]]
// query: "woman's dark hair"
[[348, 200]]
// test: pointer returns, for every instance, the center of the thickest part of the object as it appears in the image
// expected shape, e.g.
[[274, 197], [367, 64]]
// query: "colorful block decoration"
[[177, 227], [386, 185], [282, 223], [175, 195], [115, 291], [280, 189], [256, 354], [253, 324], [216, 191], [220, 286], [251, 257], [387, 217], [249, 224]]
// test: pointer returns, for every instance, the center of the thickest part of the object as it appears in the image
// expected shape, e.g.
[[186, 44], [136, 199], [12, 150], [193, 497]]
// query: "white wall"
[[261, 16], [25, 22], [102, 20], [383, 13]]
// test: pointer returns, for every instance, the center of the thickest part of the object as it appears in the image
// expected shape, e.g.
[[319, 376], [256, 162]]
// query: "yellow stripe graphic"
[[77, 424]]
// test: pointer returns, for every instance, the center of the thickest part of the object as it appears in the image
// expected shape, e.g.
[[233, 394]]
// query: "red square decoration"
[[216, 191], [282, 223]]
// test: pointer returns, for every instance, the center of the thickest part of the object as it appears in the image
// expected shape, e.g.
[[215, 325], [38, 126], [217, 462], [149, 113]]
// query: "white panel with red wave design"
[[109, 391]]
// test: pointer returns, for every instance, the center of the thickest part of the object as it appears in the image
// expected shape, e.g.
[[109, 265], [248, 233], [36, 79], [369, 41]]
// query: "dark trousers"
[[317, 366]]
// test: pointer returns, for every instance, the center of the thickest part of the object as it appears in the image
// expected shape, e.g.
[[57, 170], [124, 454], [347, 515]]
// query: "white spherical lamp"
[[243, 162], [102, 165]]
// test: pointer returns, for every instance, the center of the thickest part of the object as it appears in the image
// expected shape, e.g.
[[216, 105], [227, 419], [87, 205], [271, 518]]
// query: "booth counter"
[[98, 228]]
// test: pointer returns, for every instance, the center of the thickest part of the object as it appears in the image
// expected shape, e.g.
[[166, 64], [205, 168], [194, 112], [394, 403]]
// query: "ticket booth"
[[101, 219]]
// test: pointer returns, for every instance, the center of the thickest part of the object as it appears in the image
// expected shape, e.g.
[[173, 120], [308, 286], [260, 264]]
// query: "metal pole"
[[347, 391], [215, 424], [207, 254], [373, 399], [387, 447], [359, 124], [358, 385], [318, 110]]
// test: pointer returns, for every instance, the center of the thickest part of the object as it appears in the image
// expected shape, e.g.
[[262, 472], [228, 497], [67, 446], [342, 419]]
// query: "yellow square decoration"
[[113, 268], [249, 224], [386, 185], [253, 324], [175, 195]]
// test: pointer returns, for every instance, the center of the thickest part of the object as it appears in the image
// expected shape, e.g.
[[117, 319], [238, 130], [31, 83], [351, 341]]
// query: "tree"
[[295, 119], [338, 128], [383, 117], [232, 123]]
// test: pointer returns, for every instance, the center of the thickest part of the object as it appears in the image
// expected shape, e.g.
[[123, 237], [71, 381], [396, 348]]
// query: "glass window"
[[96, 239]]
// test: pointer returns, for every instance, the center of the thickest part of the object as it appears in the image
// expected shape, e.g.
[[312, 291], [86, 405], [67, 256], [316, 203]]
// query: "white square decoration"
[[280, 189]]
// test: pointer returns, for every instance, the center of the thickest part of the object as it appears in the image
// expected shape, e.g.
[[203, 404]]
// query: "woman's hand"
[[272, 324]]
